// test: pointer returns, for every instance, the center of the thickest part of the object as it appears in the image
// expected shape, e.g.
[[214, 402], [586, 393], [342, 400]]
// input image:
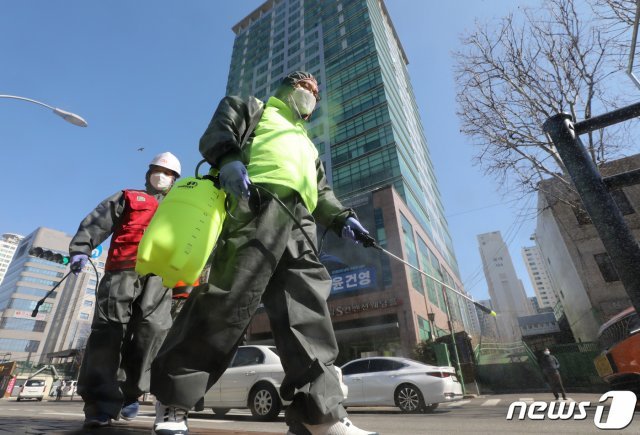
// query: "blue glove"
[[350, 225], [78, 262], [234, 179]]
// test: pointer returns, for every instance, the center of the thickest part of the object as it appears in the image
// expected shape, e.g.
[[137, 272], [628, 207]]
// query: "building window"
[[18, 345], [29, 305], [293, 48], [293, 61], [424, 329], [277, 71], [608, 271], [412, 256], [22, 324], [84, 316], [622, 201]]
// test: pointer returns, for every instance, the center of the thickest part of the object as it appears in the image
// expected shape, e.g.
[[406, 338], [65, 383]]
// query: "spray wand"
[[369, 242]]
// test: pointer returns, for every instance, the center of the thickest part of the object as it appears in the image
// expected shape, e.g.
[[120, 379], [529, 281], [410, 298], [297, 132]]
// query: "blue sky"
[[150, 73]]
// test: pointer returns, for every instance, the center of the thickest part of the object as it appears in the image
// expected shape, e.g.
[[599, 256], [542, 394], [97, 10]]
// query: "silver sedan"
[[390, 381]]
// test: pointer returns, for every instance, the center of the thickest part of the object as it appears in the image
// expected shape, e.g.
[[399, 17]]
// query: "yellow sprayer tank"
[[183, 232]]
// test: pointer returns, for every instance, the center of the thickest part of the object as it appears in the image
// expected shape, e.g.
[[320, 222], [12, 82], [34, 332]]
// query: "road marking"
[[139, 417], [64, 413], [526, 399], [458, 403], [491, 402]]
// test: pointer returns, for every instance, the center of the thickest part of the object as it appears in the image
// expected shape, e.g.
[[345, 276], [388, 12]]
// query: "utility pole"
[[453, 339]]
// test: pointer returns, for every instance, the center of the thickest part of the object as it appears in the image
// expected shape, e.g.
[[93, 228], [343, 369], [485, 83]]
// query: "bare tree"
[[617, 17], [618, 13], [514, 74]]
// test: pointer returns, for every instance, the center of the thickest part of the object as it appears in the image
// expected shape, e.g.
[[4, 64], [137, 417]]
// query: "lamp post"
[[67, 116]]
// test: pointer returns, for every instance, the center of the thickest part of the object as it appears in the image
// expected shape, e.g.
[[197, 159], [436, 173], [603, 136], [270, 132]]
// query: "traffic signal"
[[48, 255]]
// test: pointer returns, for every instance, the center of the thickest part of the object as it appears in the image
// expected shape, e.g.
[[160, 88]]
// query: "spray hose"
[[34, 313], [369, 242]]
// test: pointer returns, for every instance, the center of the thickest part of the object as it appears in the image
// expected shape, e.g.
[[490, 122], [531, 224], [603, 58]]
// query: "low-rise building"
[[586, 281]]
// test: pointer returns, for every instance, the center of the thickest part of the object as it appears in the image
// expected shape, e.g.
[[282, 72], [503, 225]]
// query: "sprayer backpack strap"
[[251, 126]]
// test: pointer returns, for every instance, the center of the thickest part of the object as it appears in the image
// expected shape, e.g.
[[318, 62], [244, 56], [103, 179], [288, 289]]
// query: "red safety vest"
[[139, 208]]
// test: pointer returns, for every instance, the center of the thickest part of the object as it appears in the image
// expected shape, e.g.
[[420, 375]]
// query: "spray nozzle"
[[366, 240]]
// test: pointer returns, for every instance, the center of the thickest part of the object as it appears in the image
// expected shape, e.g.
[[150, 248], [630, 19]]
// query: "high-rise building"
[[369, 135], [8, 245], [507, 293], [539, 277], [64, 319]]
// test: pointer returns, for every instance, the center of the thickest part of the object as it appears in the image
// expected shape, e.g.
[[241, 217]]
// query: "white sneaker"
[[343, 426], [170, 420]]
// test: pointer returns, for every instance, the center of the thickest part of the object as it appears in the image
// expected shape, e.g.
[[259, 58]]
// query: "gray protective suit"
[[260, 257], [131, 319]]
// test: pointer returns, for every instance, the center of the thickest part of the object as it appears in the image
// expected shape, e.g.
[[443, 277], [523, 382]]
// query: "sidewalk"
[[68, 421], [38, 425]]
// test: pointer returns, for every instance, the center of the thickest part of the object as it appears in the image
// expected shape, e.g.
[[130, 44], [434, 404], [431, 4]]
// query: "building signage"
[[353, 278], [10, 385], [27, 315], [6, 368], [380, 304]]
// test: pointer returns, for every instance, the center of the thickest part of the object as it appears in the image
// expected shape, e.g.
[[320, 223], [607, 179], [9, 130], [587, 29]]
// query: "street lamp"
[[67, 116]]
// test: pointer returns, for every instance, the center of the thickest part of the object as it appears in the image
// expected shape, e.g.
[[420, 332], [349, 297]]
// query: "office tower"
[[539, 277], [507, 293], [8, 245], [369, 136], [64, 319]]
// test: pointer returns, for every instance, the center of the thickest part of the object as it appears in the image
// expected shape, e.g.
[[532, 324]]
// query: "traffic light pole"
[[616, 236]]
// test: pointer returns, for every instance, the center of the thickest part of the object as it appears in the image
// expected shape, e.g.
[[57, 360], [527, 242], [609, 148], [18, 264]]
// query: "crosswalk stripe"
[[526, 399], [458, 403], [491, 402], [75, 414]]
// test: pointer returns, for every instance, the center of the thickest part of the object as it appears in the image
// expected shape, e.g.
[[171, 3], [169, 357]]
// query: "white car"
[[389, 381], [34, 389], [252, 381], [69, 389]]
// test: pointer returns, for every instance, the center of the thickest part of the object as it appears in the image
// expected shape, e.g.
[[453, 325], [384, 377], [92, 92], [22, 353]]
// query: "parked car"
[[252, 381], [35, 388], [619, 362], [68, 389], [390, 381]]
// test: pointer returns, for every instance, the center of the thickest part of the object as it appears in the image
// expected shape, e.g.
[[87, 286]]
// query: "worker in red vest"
[[132, 315]]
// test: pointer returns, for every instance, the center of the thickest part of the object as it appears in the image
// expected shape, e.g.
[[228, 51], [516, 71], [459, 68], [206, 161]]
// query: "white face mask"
[[304, 101], [546, 352], [161, 181]]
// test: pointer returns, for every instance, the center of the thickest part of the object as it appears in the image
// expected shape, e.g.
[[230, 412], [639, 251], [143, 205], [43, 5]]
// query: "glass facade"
[[367, 126], [368, 130]]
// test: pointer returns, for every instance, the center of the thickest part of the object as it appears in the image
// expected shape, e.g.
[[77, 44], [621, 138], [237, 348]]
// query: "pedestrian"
[[132, 314], [263, 256], [59, 390], [550, 366]]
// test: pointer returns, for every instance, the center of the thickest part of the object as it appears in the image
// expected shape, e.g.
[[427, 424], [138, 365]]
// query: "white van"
[[35, 388]]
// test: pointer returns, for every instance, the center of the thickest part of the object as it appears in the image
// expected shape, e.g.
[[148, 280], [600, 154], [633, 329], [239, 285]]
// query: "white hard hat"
[[167, 160]]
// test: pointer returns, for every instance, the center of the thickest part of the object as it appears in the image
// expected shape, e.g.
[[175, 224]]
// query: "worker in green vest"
[[262, 255]]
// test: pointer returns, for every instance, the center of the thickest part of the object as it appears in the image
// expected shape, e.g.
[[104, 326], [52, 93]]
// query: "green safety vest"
[[282, 153]]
